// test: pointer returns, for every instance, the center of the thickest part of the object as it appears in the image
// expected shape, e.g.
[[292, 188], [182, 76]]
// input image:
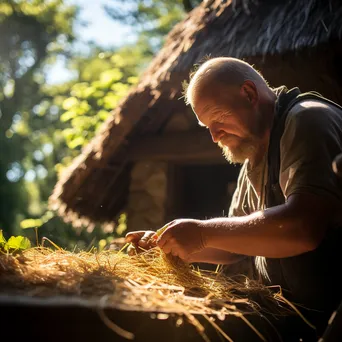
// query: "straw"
[[149, 281]]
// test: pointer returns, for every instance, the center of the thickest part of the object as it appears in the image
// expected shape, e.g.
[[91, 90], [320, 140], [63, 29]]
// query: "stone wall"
[[147, 196]]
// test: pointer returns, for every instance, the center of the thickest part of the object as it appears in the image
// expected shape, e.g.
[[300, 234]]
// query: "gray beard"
[[243, 152]]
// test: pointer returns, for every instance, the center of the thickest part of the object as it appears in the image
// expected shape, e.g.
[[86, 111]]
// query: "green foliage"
[[122, 224], [43, 127], [98, 91], [2, 239], [90, 104], [14, 243], [36, 223], [32, 34]]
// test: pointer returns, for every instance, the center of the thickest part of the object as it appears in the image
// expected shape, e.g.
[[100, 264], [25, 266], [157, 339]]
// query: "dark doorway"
[[203, 191]]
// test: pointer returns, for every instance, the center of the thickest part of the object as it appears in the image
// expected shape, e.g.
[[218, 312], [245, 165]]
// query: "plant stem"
[[37, 241]]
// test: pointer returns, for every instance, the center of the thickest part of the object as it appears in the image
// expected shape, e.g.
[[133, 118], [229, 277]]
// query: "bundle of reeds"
[[150, 281]]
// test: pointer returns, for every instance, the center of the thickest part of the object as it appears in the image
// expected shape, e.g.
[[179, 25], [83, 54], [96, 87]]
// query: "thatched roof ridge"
[[270, 27], [229, 28]]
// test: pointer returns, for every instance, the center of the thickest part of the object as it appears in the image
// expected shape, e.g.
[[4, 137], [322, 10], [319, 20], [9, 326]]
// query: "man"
[[286, 210]]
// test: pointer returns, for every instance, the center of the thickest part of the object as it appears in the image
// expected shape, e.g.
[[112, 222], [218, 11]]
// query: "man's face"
[[232, 122]]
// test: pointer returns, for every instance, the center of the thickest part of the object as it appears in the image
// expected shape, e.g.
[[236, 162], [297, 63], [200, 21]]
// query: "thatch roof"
[[284, 39], [55, 284]]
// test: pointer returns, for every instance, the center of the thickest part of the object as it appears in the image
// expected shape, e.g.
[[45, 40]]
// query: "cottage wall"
[[147, 196]]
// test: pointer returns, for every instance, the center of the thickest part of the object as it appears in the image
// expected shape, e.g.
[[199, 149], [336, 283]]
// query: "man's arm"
[[216, 256], [282, 231], [146, 240]]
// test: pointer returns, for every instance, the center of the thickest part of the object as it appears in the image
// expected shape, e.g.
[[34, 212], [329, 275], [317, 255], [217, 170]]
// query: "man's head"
[[228, 96]]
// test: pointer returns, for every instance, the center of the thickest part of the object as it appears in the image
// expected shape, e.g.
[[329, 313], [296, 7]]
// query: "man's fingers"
[[147, 240], [163, 239], [134, 236], [183, 255], [132, 250], [167, 247], [174, 252]]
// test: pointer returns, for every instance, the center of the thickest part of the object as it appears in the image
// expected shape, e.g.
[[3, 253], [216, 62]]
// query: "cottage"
[[151, 159]]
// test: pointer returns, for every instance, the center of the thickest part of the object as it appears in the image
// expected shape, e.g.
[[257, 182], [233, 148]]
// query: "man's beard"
[[244, 151]]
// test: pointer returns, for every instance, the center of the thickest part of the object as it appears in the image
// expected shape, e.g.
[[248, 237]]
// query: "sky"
[[101, 29]]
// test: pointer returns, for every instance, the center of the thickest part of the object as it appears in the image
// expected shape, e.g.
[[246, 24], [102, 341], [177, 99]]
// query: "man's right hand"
[[144, 239]]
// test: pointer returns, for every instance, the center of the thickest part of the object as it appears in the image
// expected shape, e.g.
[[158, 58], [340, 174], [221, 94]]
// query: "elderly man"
[[286, 210]]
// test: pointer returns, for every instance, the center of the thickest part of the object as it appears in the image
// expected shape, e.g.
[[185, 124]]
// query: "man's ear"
[[249, 91]]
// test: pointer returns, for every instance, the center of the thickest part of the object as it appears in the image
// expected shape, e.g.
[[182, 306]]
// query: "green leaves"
[[36, 223], [122, 224], [14, 243], [33, 35], [18, 243], [109, 77], [66, 116], [2, 239], [69, 103], [91, 101], [31, 223]]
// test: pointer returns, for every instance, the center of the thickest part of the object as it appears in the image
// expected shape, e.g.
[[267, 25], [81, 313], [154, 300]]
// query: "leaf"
[[110, 101], [36, 223], [31, 223], [47, 216], [6, 9], [79, 141], [70, 114], [102, 244], [68, 133], [89, 92], [80, 90], [2, 239], [121, 228], [18, 242], [22, 128], [133, 80], [70, 103], [110, 76], [103, 115], [118, 60], [82, 123], [83, 108]]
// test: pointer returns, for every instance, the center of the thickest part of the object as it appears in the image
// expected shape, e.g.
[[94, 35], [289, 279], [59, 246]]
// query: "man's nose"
[[216, 134]]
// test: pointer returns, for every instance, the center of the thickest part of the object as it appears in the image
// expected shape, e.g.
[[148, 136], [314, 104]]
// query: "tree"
[[151, 18], [70, 114], [43, 127], [104, 80], [31, 34]]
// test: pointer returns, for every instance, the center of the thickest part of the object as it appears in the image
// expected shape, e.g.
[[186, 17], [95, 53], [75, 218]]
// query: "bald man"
[[286, 210]]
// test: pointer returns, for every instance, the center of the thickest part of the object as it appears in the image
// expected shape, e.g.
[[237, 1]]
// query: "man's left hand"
[[183, 237]]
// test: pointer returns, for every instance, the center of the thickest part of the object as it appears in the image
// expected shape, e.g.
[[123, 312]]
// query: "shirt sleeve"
[[310, 142]]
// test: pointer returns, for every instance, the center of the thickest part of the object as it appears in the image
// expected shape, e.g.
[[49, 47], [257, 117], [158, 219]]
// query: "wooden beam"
[[187, 146]]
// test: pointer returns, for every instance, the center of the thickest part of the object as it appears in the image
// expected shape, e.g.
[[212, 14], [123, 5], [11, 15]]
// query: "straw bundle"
[[149, 281]]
